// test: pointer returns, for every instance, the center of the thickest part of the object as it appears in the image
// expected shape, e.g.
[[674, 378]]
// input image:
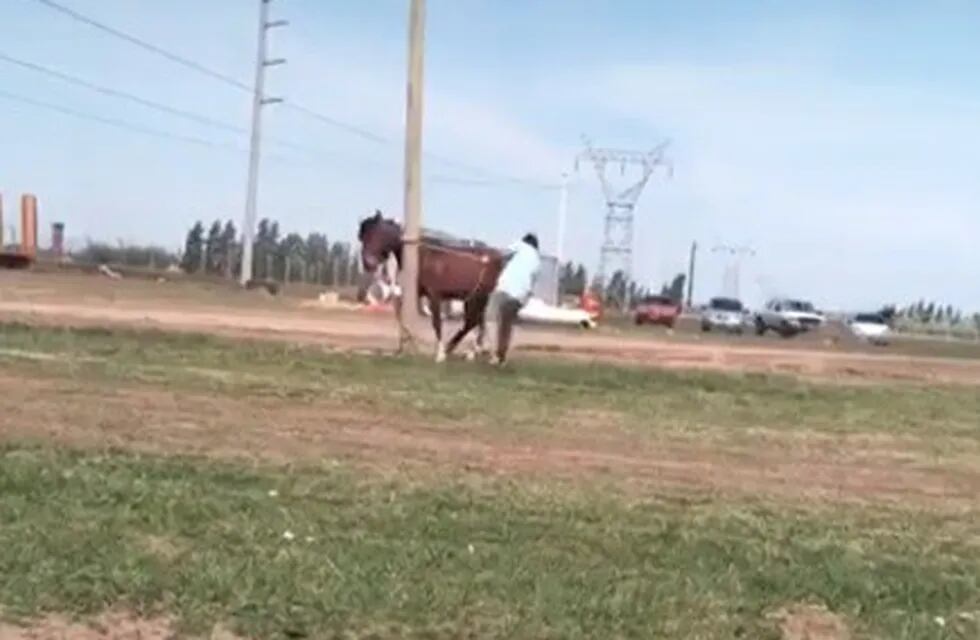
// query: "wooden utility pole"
[[413, 171]]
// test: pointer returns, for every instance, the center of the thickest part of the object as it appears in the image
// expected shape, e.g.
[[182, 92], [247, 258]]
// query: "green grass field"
[[342, 549], [537, 394], [332, 551]]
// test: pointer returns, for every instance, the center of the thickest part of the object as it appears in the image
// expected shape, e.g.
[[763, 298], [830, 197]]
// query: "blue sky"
[[839, 139]]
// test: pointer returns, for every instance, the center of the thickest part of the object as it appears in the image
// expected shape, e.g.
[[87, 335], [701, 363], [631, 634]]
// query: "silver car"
[[723, 314]]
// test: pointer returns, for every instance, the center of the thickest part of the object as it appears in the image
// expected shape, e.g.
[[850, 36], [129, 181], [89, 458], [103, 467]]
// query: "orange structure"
[[23, 256], [28, 224]]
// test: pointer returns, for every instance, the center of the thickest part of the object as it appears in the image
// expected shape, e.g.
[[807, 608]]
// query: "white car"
[[725, 314], [787, 317], [870, 327]]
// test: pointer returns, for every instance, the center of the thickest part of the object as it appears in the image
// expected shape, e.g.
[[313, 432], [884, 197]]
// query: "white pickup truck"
[[787, 317]]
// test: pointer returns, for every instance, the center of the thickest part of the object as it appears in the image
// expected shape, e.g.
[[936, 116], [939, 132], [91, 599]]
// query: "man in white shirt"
[[513, 290]]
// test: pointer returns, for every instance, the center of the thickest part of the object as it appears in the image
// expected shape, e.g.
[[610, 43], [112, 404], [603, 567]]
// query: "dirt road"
[[90, 301]]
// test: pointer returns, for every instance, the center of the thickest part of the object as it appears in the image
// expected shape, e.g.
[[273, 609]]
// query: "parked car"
[[658, 310], [787, 317], [591, 304], [870, 327], [725, 314]]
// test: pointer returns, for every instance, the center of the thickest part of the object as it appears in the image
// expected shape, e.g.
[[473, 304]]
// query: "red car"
[[591, 304], [657, 310]]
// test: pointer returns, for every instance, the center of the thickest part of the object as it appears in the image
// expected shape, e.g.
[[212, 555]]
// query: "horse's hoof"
[[440, 357], [470, 356]]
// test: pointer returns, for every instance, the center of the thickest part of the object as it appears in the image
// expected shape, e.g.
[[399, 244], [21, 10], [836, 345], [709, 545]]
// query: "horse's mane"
[[429, 238], [372, 221]]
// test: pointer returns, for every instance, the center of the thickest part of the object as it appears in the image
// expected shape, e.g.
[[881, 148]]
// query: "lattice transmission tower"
[[616, 251], [730, 283]]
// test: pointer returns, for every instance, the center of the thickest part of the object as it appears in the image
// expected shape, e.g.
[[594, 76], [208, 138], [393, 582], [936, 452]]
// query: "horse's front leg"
[[435, 308]]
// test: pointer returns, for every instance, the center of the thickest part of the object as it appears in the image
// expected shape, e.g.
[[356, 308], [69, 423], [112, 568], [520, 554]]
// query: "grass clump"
[[316, 552]]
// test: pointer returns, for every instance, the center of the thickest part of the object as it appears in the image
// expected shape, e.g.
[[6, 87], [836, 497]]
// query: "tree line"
[[573, 280], [930, 313], [149, 256], [217, 250], [282, 258]]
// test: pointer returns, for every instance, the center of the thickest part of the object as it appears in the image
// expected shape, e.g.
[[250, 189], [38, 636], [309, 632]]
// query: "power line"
[[116, 93], [143, 44], [349, 128], [311, 113], [117, 123], [496, 176], [151, 104], [203, 142]]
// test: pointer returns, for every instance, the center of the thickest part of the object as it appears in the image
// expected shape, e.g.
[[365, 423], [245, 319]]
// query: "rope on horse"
[[476, 253], [407, 339], [482, 255]]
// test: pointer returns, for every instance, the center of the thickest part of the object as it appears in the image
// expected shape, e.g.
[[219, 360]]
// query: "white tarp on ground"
[[537, 310]]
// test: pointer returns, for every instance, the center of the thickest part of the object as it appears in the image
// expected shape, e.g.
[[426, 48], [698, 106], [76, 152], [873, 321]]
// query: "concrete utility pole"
[[690, 275], [259, 100], [413, 170], [730, 281], [560, 239], [562, 215]]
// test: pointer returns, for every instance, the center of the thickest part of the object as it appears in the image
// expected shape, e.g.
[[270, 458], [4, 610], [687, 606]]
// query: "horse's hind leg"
[[472, 317], [480, 348]]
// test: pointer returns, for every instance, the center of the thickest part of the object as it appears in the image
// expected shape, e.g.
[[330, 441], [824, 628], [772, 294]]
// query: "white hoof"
[[440, 355]]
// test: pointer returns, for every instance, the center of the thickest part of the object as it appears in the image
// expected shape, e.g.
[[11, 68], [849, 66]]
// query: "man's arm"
[[535, 273], [510, 251]]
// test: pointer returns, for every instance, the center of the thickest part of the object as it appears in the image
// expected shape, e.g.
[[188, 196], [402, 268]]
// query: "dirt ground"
[[154, 420], [874, 470], [84, 300], [113, 625], [166, 422]]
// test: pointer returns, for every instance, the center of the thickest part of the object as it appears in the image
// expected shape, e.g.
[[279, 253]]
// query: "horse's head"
[[379, 237]]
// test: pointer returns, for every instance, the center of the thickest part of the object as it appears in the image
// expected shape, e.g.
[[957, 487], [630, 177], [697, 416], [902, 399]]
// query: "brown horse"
[[445, 273]]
